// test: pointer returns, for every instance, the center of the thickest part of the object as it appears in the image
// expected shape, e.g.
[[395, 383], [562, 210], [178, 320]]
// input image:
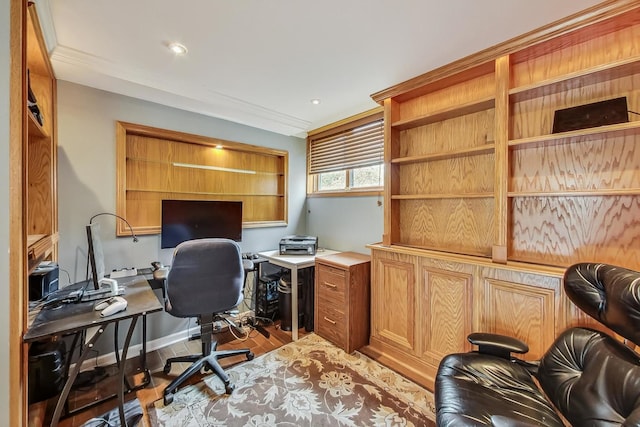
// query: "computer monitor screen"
[[198, 219]]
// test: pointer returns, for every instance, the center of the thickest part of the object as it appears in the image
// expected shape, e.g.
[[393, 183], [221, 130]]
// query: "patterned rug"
[[309, 382]]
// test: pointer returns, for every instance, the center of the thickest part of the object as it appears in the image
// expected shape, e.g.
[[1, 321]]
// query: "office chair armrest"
[[497, 345]]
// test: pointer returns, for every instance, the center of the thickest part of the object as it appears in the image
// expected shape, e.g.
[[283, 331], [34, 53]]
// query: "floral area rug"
[[309, 382]]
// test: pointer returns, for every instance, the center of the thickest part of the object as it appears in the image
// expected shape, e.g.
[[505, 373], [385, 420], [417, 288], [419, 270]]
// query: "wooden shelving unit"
[[33, 207], [41, 150], [155, 164], [485, 207]]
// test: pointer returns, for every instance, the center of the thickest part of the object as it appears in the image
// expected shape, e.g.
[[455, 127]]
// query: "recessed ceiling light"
[[315, 101], [177, 48]]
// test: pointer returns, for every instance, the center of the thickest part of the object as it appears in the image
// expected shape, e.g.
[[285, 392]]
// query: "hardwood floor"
[[155, 361]]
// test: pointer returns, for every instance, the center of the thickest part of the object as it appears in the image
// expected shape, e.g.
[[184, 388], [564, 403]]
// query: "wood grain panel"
[[520, 311], [155, 164], [471, 130], [594, 47], [565, 230], [391, 174], [445, 307], [393, 300], [145, 207], [465, 91], [606, 163], [473, 174], [501, 163], [40, 191], [534, 117], [453, 225]]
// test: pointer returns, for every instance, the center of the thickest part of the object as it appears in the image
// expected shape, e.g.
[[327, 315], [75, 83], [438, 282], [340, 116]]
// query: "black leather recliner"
[[587, 376]]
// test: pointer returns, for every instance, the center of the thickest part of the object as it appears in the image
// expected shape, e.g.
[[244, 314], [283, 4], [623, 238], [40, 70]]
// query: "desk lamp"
[[95, 248]]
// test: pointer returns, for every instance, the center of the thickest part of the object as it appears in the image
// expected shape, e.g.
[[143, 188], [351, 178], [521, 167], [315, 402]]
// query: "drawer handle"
[[333, 322], [331, 285]]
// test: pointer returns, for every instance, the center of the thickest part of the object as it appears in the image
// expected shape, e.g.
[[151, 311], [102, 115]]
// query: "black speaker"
[[601, 113], [43, 281], [46, 370]]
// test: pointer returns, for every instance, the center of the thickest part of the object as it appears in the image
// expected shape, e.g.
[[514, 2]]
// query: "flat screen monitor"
[[96, 255], [184, 220]]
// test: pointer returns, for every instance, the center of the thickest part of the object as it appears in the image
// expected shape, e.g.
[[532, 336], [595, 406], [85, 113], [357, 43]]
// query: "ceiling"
[[261, 62]]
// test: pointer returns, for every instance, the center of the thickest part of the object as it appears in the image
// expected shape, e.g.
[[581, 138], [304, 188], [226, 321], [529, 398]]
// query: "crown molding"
[[89, 70]]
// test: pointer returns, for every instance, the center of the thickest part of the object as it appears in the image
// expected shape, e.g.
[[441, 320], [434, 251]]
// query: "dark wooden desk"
[[80, 317]]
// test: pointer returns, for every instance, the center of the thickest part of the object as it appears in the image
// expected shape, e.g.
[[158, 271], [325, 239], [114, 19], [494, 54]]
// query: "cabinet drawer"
[[332, 283], [331, 324]]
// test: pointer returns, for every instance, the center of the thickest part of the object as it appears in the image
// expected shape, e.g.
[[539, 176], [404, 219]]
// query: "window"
[[347, 157]]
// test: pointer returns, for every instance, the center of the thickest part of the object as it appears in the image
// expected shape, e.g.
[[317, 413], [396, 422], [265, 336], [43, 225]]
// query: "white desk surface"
[[299, 261], [293, 263]]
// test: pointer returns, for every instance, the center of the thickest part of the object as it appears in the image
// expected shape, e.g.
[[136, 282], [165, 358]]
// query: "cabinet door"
[[445, 309], [393, 300], [524, 306]]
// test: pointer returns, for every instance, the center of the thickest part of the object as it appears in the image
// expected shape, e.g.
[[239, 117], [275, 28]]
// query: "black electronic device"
[[46, 370], [298, 245], [601, 113], [184, 220], [43, 281], [267, 297]]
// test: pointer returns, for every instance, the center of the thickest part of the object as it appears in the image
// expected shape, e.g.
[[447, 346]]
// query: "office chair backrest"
[[206, 277]]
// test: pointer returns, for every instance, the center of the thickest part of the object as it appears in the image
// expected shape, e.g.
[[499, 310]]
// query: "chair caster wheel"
[[250, 356], [168, 399], [166, 369], [228, 388]]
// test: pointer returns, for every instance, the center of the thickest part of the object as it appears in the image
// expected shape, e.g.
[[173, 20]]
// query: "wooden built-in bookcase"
[[485, 206], [41, 149], [33, 201], [155, 164]]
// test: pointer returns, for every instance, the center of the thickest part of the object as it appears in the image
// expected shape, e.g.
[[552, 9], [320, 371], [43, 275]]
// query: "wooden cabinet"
[[425, 304], [40, 149], [485, 205], [342, 299], [473, 166], [33, 211]]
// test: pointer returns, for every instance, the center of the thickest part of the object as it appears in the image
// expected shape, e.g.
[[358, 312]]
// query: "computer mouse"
[[102, 304], [116, 305]]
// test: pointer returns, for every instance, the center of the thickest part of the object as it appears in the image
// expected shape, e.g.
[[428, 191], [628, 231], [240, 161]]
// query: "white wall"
[[86, 186], [87, 174], [345, 223], [5, 59]]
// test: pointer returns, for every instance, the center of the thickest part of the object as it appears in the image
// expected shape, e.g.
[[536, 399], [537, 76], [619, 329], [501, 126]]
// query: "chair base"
[[208, 362]]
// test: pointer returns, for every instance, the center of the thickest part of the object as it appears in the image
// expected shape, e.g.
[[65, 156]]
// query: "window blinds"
[[354, 145]]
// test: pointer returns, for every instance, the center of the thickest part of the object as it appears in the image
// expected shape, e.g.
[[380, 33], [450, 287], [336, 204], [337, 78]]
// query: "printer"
[[298, 245]]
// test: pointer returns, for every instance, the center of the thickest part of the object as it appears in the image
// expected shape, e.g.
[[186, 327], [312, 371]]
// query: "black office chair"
[[587, 376], [205, 281]]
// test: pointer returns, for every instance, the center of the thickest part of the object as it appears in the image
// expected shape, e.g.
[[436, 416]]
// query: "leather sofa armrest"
[[497, 345], [502, 421]]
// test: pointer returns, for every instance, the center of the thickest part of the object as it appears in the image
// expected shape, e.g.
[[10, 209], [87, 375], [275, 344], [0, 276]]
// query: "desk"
[[294, 263], [78, 317]]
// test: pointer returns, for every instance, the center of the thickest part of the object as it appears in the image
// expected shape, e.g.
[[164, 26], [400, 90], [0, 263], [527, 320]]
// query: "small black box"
[[601, 113], [267, 297], [46, 370], [43, 281]]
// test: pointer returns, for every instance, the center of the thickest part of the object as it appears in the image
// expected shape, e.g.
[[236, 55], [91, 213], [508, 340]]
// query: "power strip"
[[124, 272]]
